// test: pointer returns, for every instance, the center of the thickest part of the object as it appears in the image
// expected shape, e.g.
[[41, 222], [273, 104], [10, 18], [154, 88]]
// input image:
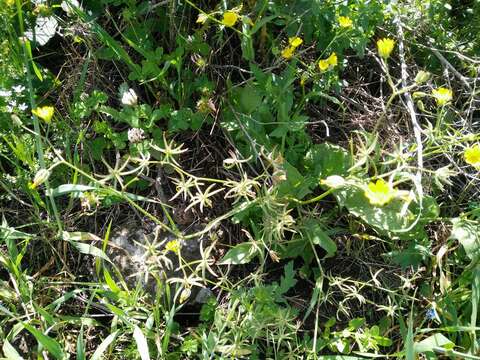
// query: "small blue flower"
[[431, 314]]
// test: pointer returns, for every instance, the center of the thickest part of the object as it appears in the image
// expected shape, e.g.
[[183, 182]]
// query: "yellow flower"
[[472, 156], [328, 63], [10, 2], [45, 113], [332, 60], [385, 47], [173, 245], [379, 193], [323, 65], [295, 41], [229, 18], [287, 53], [345, 21], [442, 95]]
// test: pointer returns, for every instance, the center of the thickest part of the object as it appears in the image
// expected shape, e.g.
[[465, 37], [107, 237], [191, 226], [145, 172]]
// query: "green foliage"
[[202, 118]]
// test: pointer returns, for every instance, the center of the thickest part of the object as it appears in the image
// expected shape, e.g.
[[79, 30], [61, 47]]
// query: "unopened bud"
[[422, 77], [129, 97], [16, 120], [40, 177]]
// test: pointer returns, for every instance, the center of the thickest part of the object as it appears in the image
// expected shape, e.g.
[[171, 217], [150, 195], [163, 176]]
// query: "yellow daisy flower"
[[45, 113], [229, 18], [442, 95], [385, 47], [379, 193], [472, 156], [345, 21]]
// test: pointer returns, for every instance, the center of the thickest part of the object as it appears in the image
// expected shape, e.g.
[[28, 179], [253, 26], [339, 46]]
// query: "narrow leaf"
[[142, 345], [52, 346], [98, 354]]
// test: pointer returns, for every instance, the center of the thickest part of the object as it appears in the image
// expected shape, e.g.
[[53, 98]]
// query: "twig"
[[417, 130], [445, 62]]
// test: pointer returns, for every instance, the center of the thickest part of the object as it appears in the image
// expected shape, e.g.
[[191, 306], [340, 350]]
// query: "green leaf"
[[52, 346], [84, 248], [9, 351], [324, 160], [80, 346], [409, 344], [69, 188], [413, 255], [98, 354], [239, 254], [142, 344], [467, 234], [432, 342], [250, 99], [287, 281], [318, 236], [388, 219]]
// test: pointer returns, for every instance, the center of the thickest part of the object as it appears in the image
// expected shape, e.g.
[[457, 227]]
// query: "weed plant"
[[302, 178]]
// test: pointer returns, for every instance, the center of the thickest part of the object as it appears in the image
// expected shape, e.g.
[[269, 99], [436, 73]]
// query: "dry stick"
[[417, 130], [445, 62]]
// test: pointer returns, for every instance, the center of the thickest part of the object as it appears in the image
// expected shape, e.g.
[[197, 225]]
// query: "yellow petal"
[[332, 60], [379, 193], [287, 53], [472, 156], [442, 95], [295, 41], [345, 21], [45, 113], [229, 18], [323, 65], [385, 47]]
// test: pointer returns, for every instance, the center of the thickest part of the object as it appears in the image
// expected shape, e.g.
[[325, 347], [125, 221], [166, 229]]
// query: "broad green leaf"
[[250, 99], [413, 255], [324, 160], [433, 341], [98, 354], [467, 234], [142, 344], [52, 346], [239, 254], [388, 219]]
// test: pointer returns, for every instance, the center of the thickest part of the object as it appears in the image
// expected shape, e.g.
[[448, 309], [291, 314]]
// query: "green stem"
[[36, 125]]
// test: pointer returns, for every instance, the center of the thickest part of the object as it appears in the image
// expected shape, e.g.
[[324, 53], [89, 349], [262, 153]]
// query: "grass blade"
[[142, 344], [98, 354], [47, 342]]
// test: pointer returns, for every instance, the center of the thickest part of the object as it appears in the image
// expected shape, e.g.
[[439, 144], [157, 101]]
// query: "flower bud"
[[41, 176], [422, 77], [129, 97], [16, 120]]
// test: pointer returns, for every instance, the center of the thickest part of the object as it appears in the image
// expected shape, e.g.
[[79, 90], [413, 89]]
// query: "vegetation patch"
[[239, 180]]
